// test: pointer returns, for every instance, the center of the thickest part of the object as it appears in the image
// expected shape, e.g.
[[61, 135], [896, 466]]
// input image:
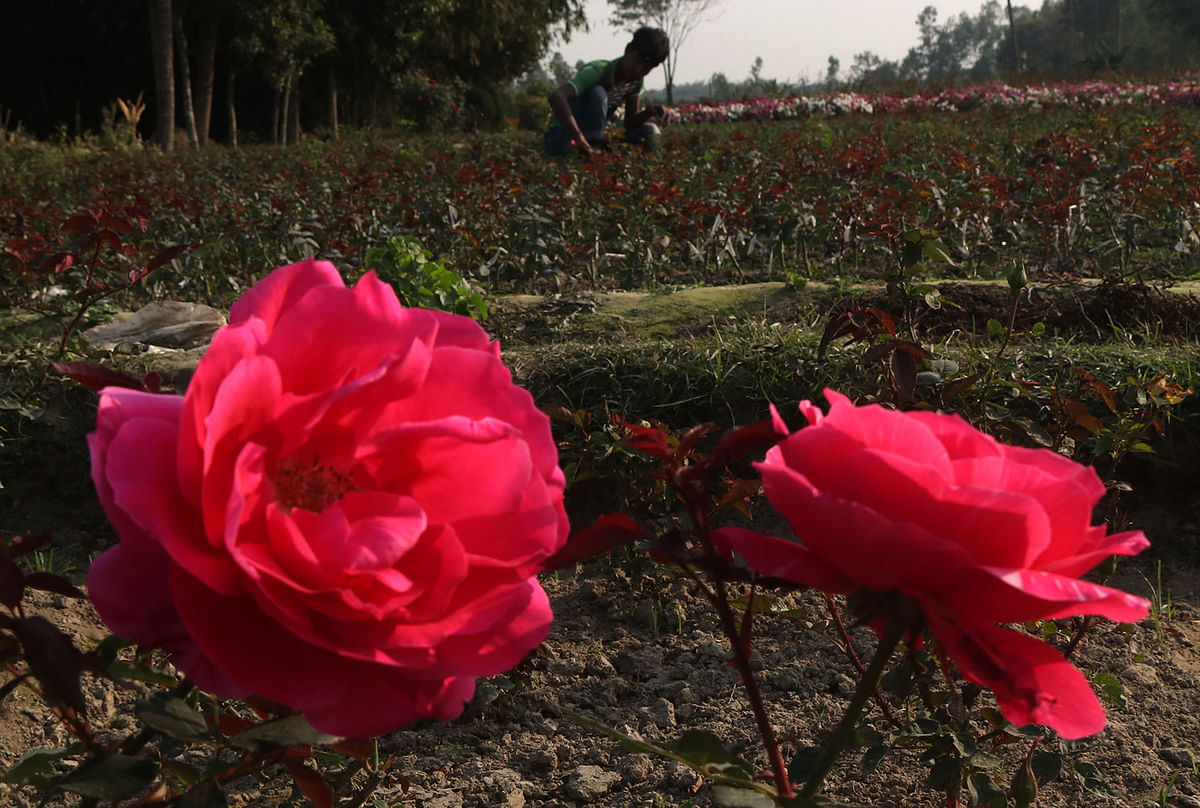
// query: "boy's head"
[[651, 45]]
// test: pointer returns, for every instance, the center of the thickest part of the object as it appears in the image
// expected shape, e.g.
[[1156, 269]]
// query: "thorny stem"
[[848, 644], [1079, 634], [720, 602], [845, 728], [719, 598], [741, 659]]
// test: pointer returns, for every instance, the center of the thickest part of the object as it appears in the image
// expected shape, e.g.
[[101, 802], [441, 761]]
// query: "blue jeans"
[[591, 112]]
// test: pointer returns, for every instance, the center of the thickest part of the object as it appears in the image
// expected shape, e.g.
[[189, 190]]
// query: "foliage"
[[420, 280], [1065, 179], [430, 104]]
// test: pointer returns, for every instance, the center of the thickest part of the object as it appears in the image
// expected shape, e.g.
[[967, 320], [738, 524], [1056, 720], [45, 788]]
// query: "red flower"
[[344, 514], [974, 531]]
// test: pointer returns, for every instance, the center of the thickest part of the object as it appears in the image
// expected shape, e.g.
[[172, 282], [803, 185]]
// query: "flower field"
[[1076, 189], [850, 403]]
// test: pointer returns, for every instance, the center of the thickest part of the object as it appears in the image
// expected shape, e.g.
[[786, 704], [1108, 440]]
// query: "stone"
[[589, 783], [164, 323]]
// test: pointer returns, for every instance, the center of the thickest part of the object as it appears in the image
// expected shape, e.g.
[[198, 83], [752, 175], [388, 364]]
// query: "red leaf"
[[689, 440], [165, 256], [23, 545], [80, 224], [230, 724], [884, 319], [12, 583], [904, 373], [606, 533], [48, 582], [117, 224], [361, 749], [750, 439], [879, 351], [96, 377], [311, 783], [651, 440], [53, 658]]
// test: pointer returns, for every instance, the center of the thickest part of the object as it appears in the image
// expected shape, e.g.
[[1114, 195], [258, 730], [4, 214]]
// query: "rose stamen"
[[312, 487]]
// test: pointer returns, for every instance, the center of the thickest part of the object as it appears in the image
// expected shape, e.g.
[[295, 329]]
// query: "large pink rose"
[[977, 532], [343, 514]]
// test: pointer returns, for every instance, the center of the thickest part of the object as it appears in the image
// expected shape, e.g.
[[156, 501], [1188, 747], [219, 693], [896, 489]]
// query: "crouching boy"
[[584, 105]]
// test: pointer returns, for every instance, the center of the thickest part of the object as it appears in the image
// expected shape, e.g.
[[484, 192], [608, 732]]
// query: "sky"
[[795, 38]]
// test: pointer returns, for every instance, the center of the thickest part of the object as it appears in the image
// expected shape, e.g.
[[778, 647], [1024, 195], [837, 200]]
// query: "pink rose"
[[344, 514], [976, 532]]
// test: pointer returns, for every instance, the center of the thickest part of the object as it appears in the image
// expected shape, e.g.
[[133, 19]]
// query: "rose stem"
[[853, 655], [845, 728], [742, 660]]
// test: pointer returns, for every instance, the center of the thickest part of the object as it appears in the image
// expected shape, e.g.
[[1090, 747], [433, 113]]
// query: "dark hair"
[[652, 44]]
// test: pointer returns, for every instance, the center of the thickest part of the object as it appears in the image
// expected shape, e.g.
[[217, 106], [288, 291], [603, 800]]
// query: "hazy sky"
[[795, 38]]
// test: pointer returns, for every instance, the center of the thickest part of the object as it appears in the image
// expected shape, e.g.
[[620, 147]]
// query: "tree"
[[163, 53], [832, 68], [677, 17], [1184, 15], [560, 69], [719, 88]]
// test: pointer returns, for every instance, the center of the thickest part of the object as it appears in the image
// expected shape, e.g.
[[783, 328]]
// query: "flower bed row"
[[956, 99]]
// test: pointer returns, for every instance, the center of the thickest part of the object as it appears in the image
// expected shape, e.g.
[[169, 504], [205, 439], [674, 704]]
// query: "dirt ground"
[[633, 647], [636, 650]]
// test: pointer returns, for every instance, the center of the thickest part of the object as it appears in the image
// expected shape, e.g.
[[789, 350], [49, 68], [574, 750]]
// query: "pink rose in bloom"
[[344, 514], [976, 532]]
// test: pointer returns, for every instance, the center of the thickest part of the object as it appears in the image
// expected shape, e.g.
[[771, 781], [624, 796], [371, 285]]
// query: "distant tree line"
[[208, 67], [1063, 39]]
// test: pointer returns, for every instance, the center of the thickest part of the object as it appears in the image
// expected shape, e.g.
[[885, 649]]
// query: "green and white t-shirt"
[[603, 72]]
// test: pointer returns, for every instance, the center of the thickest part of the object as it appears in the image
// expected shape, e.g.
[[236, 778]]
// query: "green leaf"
[[172, 717], [1112, 688], [801, 766], [1024, 786], [943, 772], [116, 777], [1089, 777], [725, 796], [936, 251], [984, 791], [37, 762], [291, 730], [706, 750], [871, 759], [1047, 766], [996, 328]]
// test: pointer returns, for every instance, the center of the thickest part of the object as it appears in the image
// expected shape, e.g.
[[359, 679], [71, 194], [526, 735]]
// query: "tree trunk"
[[285, 95], [669, 71], [164, 73], [293, 106], [185, 80], [1012, 35], [229, 88], [333, 102], [205, 75], [276, 105]]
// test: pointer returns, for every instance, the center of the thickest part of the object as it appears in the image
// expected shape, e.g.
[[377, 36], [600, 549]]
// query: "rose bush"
[[971, 531], [344, 514]]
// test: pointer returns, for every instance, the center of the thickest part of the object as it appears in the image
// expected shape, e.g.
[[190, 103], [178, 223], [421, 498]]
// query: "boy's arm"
[[635, 116], [560, 105]]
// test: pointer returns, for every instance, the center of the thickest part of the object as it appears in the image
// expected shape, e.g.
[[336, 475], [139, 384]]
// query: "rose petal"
[[1033, 683]]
